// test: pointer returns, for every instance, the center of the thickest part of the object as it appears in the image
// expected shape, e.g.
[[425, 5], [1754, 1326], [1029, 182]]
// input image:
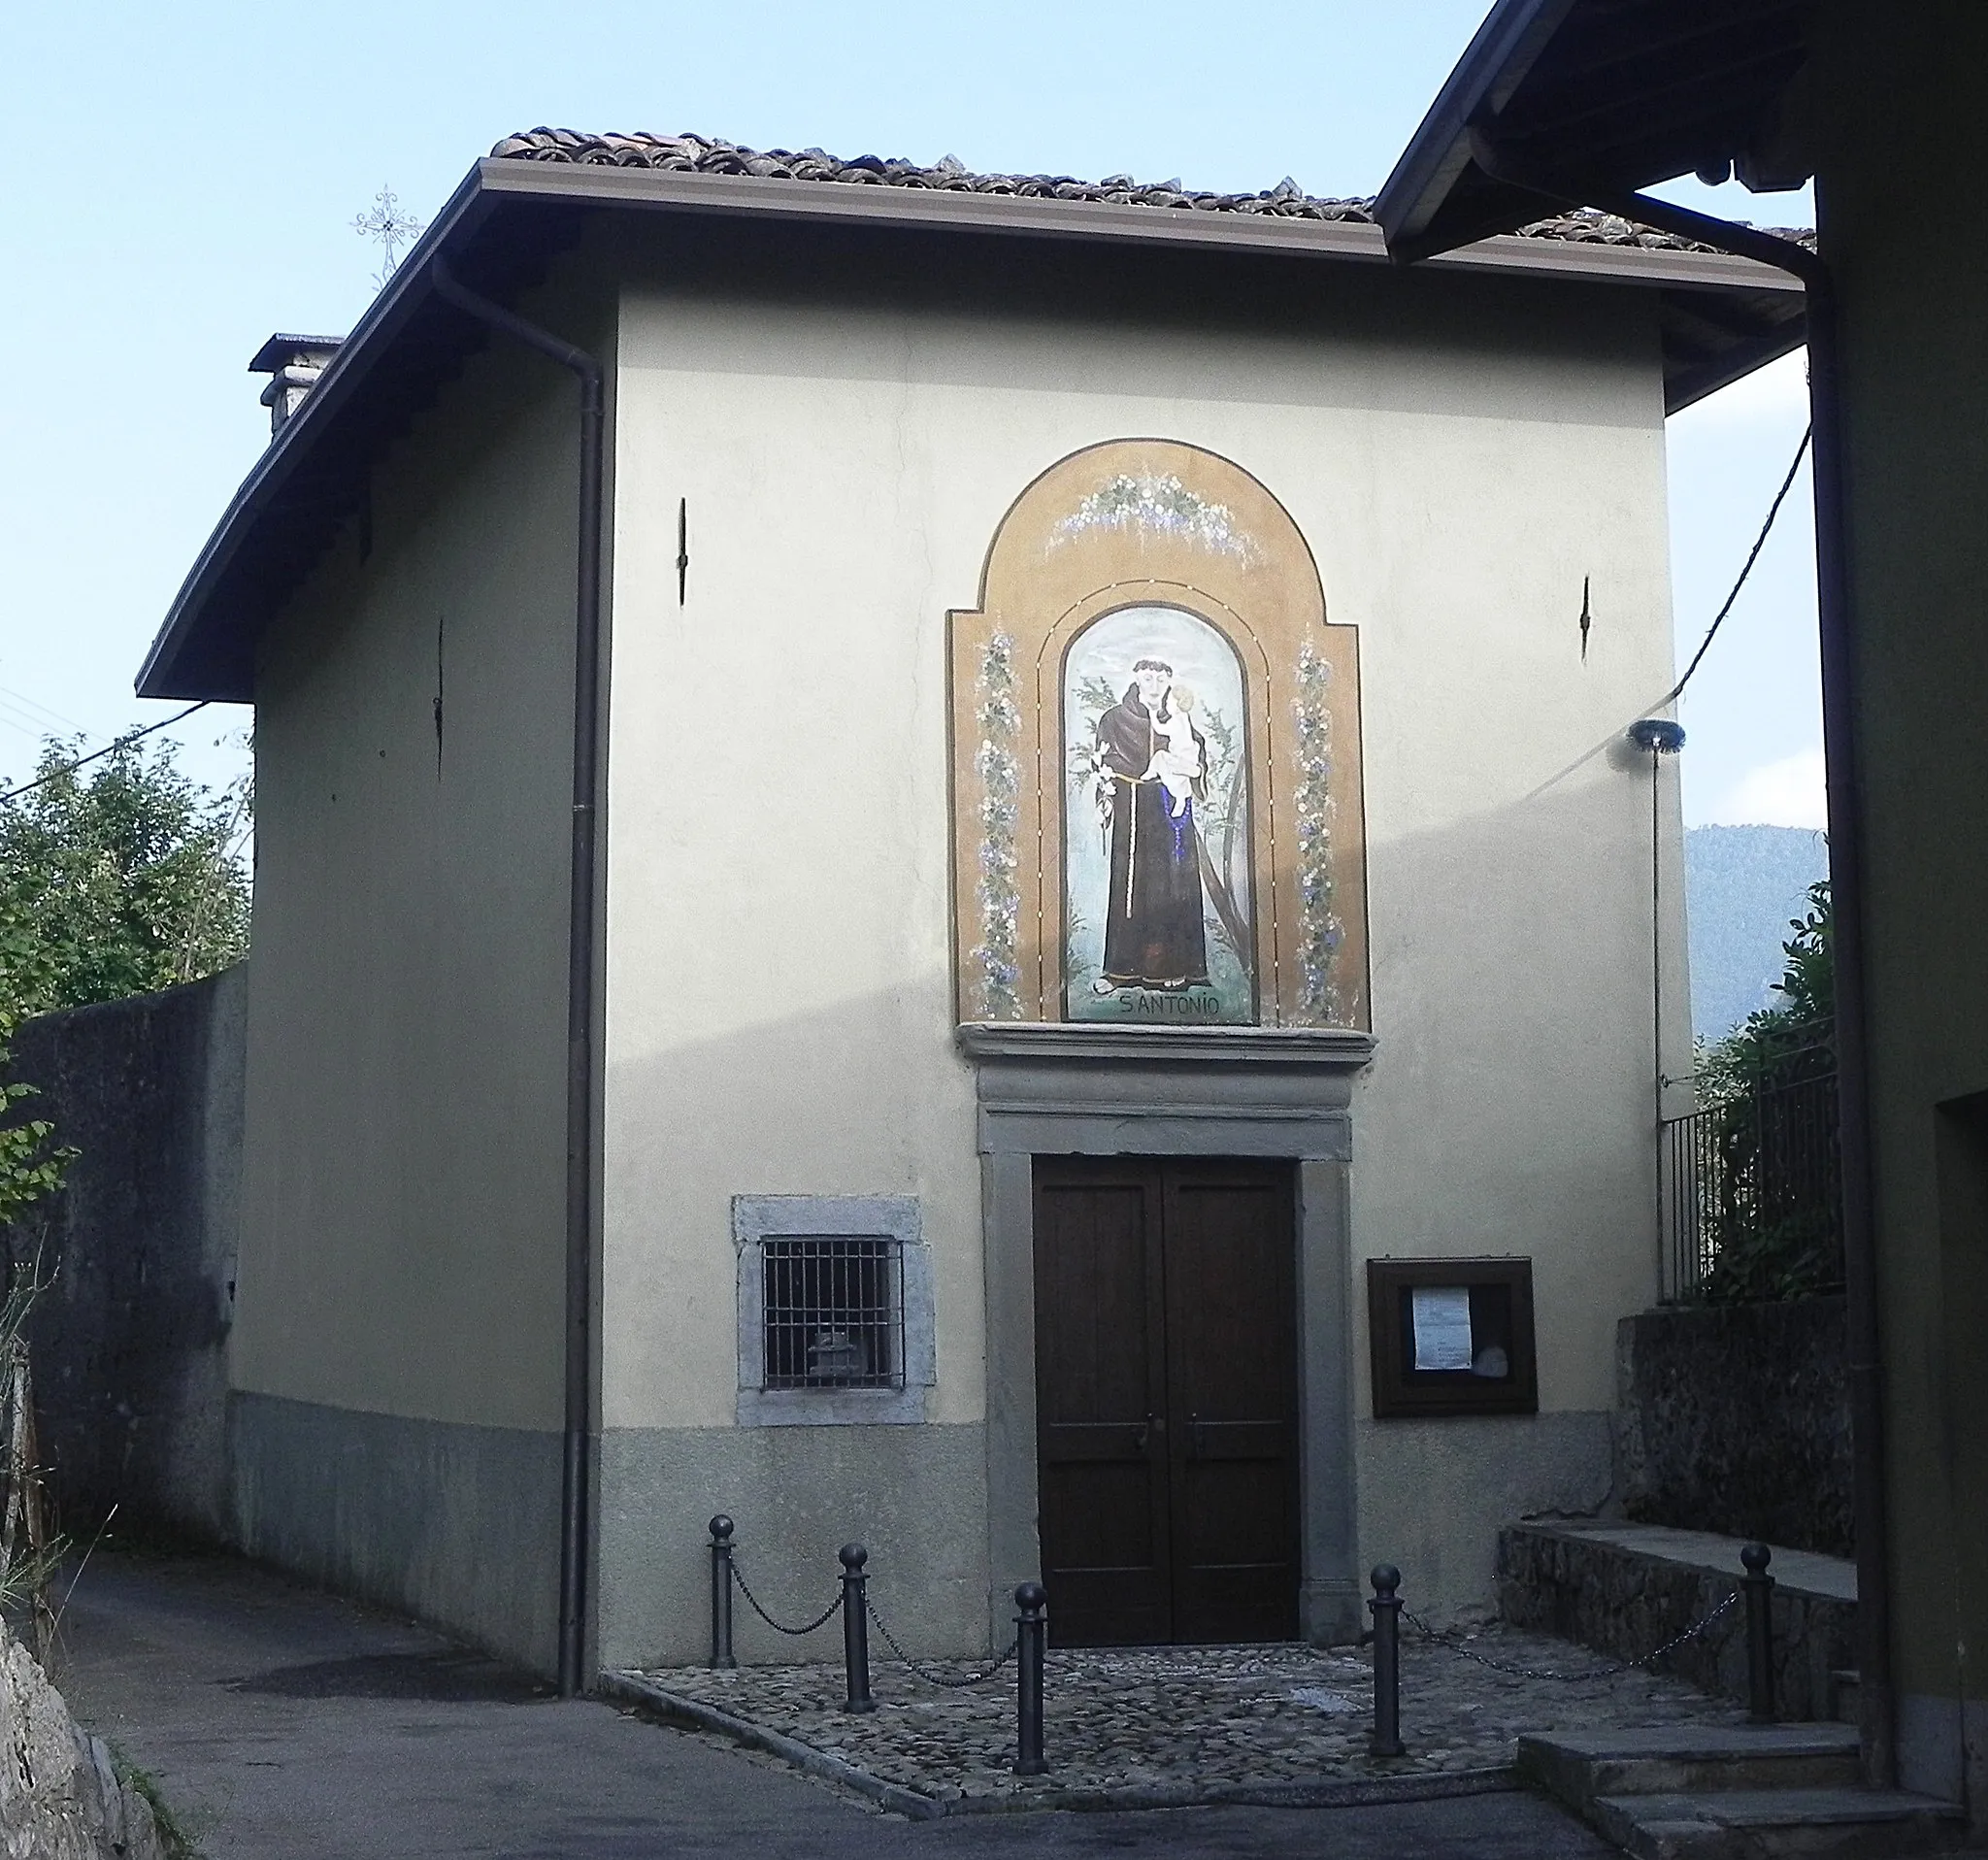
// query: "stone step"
[[1580, 1767], [1780, 1824], [1844, 1687]]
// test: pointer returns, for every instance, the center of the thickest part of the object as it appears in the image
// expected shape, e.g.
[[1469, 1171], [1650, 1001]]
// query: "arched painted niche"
[[1157, 757]]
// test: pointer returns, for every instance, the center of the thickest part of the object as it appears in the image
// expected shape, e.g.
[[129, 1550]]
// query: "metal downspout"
[[575, 1498], [1877, 1709]]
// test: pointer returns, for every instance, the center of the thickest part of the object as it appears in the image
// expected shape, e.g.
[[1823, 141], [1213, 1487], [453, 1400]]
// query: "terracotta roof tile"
[[708, 155]]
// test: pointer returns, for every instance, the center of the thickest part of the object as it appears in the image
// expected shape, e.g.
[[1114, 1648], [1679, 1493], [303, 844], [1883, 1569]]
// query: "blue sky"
[[185, 179]]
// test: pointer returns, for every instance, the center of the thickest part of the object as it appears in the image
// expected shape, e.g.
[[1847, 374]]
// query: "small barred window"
[[834, 1311]]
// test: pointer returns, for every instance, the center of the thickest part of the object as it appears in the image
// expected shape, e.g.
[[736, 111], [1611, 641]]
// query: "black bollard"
[[722, 1592], [856, 1627], [1031, 1637], [1386, 1608], [1760, 1633]]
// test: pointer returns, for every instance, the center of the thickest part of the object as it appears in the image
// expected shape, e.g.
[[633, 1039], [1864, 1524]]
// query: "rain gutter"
[[576, 1459]]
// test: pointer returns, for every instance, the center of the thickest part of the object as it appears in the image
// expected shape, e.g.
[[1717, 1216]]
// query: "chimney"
[[293, 364]]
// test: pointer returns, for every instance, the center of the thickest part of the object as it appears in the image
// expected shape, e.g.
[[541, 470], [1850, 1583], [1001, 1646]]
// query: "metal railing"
[[1751, 1187]]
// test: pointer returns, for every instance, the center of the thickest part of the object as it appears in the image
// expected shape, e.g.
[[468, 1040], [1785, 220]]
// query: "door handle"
[[1142, 1434]]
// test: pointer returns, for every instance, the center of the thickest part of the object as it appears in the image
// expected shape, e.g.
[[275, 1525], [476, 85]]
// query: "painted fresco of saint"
[[1156, 881], [1154, 907]]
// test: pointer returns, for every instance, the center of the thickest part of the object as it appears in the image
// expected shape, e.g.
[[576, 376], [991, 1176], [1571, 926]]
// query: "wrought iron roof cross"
[[391, 228]]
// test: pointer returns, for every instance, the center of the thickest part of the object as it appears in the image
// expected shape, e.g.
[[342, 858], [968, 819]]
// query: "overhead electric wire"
[[124, 742], [10, 707], [29, 724], [1752, 556], [22, 702]]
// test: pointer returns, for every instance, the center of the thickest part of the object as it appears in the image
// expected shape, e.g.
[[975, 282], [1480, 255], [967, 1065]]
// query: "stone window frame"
[[758, 1218]]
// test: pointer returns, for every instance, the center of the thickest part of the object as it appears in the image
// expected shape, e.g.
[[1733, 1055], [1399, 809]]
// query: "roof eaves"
[[162, 674], [200, 646], [1493, 65], [1595, 247], [1611, 96]]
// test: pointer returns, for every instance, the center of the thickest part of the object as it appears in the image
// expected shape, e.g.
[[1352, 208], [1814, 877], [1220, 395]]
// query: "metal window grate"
[[835, 1313]]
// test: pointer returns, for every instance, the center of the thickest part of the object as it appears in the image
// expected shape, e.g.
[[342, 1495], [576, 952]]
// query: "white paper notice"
[[1442, 1326]]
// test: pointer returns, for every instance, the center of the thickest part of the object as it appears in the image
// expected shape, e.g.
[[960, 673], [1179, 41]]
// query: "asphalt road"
[[285, 1724]]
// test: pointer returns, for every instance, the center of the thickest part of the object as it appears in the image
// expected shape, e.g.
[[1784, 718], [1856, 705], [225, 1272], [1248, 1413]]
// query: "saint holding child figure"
[[1158, 762], [1157, 883]]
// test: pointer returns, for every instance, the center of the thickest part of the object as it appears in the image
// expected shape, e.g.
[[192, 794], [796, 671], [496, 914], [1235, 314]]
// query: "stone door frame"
[[1046, 1088]]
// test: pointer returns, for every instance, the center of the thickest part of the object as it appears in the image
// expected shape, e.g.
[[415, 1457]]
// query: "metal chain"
[[1455, 1646], [1690, 1634], [822, 1619], [925, 1672]]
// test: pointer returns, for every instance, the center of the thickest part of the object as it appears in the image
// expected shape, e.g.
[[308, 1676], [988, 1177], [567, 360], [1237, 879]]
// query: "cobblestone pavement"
[[1208, 1717]]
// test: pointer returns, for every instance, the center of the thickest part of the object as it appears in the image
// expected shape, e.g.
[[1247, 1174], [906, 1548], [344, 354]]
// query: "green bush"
[[1768, 1088], [120, 878]]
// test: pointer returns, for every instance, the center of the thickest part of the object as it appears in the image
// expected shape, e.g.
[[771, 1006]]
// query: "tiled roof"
[[706, 156]]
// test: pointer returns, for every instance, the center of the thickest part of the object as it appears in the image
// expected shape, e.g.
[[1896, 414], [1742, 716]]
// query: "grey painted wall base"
[[915, 1497], [1943, 1752], [453, 1523], [1495, 1469]]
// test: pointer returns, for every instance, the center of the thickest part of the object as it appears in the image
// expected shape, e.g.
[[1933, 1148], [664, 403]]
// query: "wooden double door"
[[1167, 1400]]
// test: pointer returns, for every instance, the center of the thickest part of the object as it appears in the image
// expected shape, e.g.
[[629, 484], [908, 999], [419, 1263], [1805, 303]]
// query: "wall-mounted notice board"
[[1451, 1337]]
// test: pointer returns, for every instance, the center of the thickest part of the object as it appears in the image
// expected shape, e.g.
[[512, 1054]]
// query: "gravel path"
[[1202, 1717]]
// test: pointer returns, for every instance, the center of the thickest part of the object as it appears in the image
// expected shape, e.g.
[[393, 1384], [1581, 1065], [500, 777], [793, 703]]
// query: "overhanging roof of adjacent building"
[[1618, 93], [1719, 316]]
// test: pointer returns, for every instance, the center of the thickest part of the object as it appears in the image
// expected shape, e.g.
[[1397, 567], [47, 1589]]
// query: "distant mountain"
[[1743, 887]]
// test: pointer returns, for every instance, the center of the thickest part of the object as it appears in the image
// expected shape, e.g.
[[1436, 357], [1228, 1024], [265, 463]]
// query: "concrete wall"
[[1897, 118], [399, 1343], [847, 425], [130, 1339], [1735, 1418]]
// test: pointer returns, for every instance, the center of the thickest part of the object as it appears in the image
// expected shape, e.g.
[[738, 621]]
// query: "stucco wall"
[[1897, 117], [402, 1201], [1459, 454]]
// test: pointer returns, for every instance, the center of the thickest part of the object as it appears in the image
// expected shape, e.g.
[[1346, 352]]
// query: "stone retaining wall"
[[1735, 1419], [1626, 1603], [60, 1797]]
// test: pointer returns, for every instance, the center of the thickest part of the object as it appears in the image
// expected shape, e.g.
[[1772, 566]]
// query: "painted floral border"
[[1320, 933], [1158, 501], [995, 956]]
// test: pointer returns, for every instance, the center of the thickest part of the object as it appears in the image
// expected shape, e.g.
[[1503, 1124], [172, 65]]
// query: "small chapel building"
[[949, 859]]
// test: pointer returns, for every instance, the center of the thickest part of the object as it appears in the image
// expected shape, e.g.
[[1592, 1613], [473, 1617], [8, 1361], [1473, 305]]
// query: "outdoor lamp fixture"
[[1657, 734]]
